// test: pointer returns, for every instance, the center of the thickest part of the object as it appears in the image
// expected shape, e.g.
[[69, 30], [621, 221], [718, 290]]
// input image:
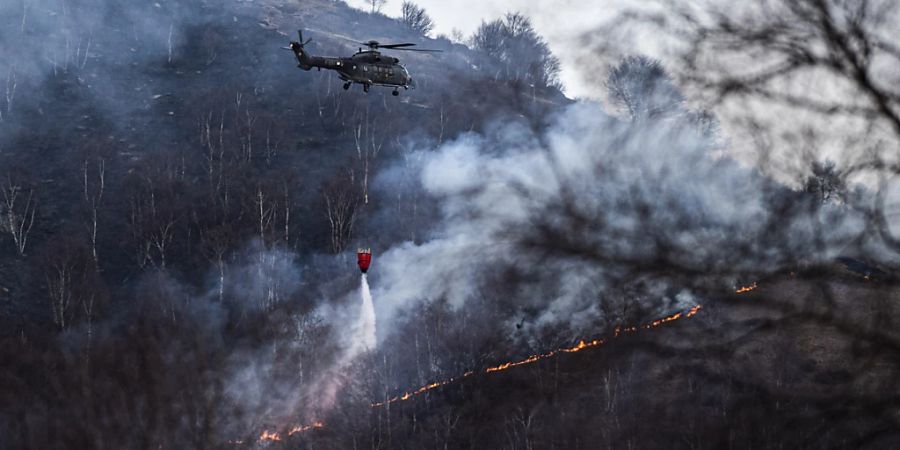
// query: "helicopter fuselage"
[[365, 67]]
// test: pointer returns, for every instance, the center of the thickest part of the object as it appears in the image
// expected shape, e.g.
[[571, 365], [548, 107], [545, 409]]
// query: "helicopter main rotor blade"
[[396, 45], [376, 45], [419, 50]]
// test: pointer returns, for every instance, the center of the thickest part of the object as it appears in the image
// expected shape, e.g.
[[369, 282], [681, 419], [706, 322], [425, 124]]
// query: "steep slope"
[[184, 178], [161, 85]]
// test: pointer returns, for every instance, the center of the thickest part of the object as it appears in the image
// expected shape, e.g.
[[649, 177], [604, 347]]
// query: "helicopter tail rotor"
[[300, 35], [298, 49], [298, 46]]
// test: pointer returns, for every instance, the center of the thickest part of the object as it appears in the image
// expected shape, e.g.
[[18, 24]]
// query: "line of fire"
[[364, 258]]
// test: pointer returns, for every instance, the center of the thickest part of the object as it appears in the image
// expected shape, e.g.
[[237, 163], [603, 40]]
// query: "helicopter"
[[366, 67]]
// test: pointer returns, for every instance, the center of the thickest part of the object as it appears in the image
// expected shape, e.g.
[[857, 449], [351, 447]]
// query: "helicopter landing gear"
[[346, 86], [395, 92], [366, 88]]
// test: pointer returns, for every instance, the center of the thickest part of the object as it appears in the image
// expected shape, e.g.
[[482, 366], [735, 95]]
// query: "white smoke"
[[643, 191], [262, 279], [322, 394]]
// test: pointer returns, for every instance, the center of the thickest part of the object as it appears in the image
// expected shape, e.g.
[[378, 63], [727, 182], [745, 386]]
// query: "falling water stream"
[[366, 327]]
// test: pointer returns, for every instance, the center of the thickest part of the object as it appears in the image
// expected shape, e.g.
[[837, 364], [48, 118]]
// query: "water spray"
[[366, 316], [366, 327]]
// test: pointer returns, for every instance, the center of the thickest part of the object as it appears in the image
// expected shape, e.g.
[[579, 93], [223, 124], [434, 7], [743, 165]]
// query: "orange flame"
[[270, 436], [274, 436], [305, 428], [747, 288], [534, 358]]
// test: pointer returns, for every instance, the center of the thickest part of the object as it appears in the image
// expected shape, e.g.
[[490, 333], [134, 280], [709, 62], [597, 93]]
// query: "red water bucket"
[[364, 258]]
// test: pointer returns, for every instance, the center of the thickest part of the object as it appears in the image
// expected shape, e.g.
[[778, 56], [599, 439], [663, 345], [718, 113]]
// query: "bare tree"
[[18, 212], [641, 87], [81, 52], [60, 289], [457, 36], [155, 200], [519, 426], [152, 224], [287, 205], [416, 18], [522, 54], [93, 188], [490, 38], [216, 241], [376, 5], [444, 427], [368, 144], [265, 212], [212, 138], [25, 8], [826, 183], [71, 285], [247, 143], [267, 265], [341, 203], [10, 92], [169, 42]]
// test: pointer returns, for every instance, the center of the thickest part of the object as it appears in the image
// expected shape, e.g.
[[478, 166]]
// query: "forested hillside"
[[178, 195], [181, 208]]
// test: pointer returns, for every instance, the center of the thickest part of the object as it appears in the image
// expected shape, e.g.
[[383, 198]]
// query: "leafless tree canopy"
[[342, 200], [376, 5], [759, 46], [416, 18], [641, 87], [520, 51]]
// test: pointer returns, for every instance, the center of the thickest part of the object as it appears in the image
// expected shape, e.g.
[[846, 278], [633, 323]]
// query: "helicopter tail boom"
[[303, 58]]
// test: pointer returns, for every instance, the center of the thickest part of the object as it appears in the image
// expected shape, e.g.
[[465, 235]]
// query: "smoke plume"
[[596, 210]]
